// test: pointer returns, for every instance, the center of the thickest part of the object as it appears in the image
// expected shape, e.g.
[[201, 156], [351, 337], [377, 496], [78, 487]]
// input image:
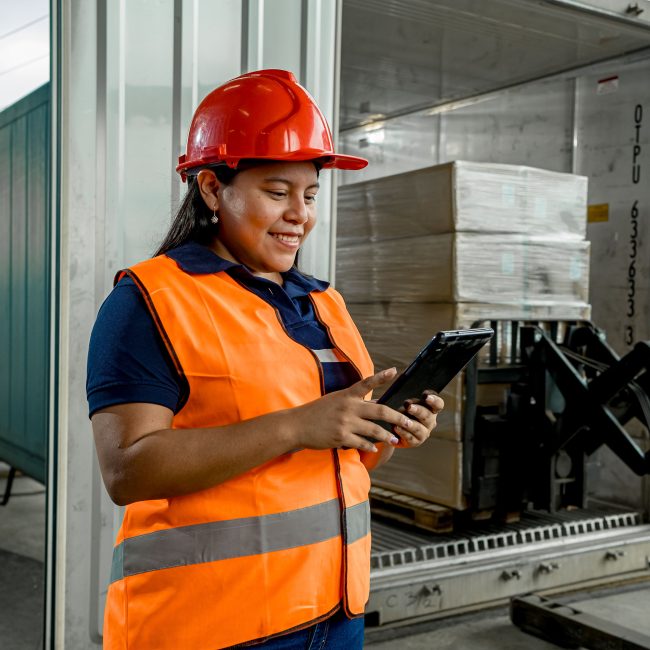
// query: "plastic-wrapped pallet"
[[464, 197], [466, 267], [432, 472], [442, 248], [394, 332]]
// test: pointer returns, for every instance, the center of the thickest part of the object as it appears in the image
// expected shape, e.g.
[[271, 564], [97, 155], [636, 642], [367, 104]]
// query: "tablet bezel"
[[458, 346]]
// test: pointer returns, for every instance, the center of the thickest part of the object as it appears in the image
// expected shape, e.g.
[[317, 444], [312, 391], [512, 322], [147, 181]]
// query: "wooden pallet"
[[496, 516], [410, 510]]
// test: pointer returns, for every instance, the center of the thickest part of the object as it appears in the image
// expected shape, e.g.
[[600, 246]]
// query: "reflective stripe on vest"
[[222, 540]]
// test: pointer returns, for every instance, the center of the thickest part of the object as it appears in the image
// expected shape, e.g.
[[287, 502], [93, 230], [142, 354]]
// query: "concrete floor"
[[22, 549], [474, 633], [22, 553], [492, 630]]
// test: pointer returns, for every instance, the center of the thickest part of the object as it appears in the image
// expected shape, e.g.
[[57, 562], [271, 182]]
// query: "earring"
[[215, 218]]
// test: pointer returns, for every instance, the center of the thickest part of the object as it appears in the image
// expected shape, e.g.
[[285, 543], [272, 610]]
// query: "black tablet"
[[436, 365]]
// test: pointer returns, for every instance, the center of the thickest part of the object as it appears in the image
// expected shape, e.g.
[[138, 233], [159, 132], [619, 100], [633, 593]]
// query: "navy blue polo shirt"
[[128, 362]]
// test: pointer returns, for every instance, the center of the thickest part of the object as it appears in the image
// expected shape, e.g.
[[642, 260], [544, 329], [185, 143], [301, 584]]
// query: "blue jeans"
[[336, 633]]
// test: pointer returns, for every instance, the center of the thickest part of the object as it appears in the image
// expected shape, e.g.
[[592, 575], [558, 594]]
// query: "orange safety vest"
[[273, 550]]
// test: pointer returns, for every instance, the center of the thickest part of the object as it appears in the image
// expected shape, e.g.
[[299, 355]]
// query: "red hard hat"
[[264, 115]]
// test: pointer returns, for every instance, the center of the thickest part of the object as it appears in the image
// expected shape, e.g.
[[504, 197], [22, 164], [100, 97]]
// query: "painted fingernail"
[[431, 399], [407, 423], [394, 440], [411, 408]]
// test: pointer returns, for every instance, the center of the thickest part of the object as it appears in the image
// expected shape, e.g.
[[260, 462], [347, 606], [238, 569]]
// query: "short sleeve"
[[127, 360]]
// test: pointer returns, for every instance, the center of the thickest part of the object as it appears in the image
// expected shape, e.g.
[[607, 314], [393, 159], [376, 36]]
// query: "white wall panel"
[[321, 24], [75, 469], [392, 147], [211, 52], [139, 123], [613, 149], [282, 23], [529, 125], [132, 72]]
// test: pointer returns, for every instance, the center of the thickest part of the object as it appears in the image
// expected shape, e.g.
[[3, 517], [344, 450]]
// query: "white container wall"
[[613, 149], [530, 125], [128, 76]]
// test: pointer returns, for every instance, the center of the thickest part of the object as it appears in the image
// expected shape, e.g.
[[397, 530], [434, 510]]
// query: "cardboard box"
[[395, 332], [433, 471], [463, 197], [465, 267]]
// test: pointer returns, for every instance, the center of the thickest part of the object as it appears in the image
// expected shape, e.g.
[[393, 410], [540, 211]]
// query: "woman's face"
[[265, 214]]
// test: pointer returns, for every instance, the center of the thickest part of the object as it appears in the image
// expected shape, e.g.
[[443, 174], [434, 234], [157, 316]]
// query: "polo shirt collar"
[[197, 259]]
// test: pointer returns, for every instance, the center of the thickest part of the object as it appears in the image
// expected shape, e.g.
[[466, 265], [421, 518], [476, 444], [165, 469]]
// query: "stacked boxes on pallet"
[[442, 248]]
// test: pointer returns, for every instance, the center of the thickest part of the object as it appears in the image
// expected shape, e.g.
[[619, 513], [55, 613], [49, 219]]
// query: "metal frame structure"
[[569, 393], [570, 627]]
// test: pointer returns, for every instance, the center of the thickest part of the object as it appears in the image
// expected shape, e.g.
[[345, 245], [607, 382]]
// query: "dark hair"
[[192, 220]]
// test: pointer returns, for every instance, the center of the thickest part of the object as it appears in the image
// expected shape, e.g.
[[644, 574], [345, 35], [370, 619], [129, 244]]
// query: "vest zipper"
[[339, 478], [335, 456]]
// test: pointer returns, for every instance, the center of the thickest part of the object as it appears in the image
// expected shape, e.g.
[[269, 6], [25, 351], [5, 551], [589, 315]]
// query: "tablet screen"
[[436, 365]]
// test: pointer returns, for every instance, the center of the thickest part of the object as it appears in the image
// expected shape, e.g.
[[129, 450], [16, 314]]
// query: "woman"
[[228, 400]]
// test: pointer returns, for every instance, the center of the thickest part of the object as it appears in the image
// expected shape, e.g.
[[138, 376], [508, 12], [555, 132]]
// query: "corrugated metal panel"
[[24, 282], [405, 55]]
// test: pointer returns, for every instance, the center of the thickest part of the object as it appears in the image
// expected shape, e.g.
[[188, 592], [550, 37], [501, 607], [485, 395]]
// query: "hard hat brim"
[[327, 161], [343, 161]]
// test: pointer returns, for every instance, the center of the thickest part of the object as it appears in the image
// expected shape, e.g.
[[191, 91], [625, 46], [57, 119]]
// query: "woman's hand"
[[424, 412], [345, 418], [142, 457]]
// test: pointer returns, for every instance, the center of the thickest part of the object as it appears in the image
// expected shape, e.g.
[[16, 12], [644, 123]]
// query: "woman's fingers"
[[432, 401], [368, 439], [372, 411], [424, 412], [419, 431], [346, 419], [365, 386]]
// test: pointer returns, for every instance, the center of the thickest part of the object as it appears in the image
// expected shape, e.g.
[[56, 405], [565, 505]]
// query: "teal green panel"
[[5, 275], [18, 284], [37, 288], [24, 282]]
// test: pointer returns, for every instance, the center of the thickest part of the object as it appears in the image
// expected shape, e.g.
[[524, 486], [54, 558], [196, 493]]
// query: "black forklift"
[[568, 393]]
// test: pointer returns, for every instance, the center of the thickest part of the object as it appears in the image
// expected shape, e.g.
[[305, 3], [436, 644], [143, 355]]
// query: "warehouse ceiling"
[[398, 56]]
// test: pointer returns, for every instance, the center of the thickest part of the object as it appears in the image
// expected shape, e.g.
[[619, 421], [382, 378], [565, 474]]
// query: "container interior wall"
[[569, 123], [612, 149], [531, 125]]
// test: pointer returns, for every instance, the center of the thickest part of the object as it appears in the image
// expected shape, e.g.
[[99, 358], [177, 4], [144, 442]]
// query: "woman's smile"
[[288, 240], [265, 215]]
